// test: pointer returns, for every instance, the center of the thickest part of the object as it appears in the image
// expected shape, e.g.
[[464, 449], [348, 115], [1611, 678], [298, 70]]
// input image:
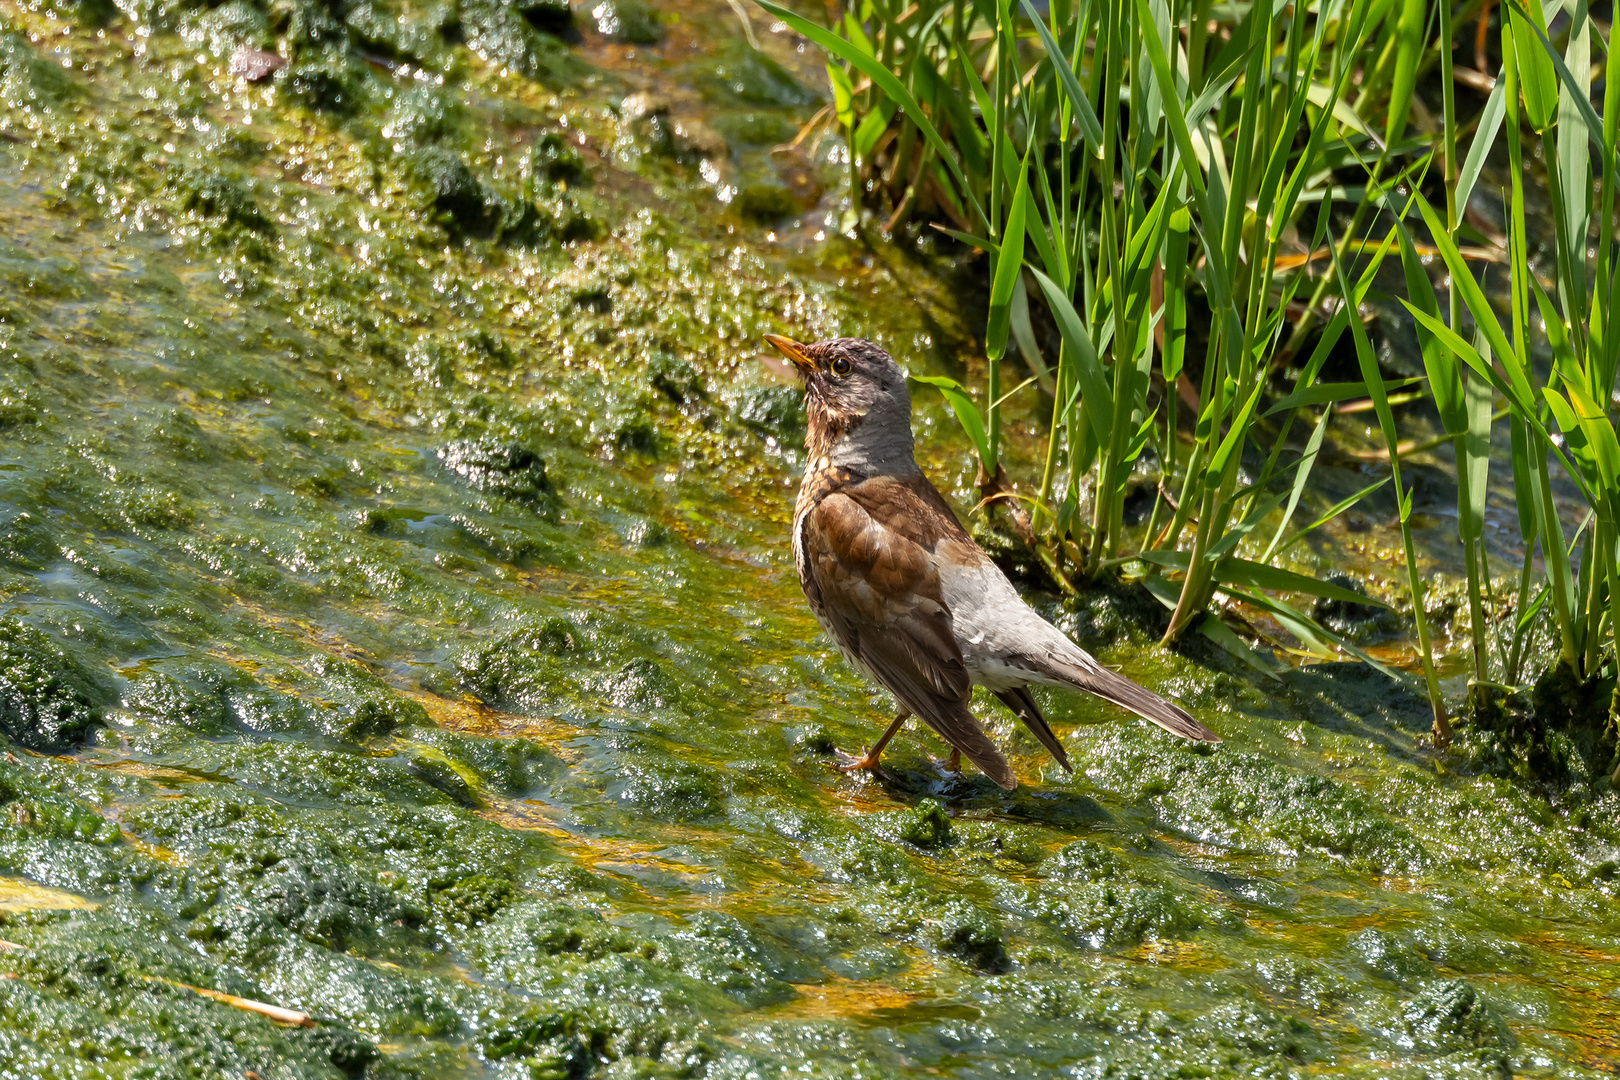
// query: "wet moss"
[[49, 698], [83, 982], [1358, 622], [510, 470], [217, 195], [230, 26], [668, 790], [972, 935], [504, 33], [765, 203], [27, 82], [630, 21], [744, 75], [556, 161], [327, 83]]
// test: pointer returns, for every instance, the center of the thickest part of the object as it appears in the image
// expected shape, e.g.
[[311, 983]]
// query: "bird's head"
[[856, 401]]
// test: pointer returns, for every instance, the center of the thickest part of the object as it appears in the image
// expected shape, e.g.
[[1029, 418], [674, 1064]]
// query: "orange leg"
[[870, 759]]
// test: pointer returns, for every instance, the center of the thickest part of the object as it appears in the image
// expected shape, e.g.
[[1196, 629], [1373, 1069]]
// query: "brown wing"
[[881, 594]]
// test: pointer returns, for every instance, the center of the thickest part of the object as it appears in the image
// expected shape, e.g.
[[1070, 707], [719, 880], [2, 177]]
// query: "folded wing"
[[881, 593]]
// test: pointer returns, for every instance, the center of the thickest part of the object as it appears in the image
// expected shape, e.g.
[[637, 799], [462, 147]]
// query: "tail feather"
[[1023, 705], [1111, 686]]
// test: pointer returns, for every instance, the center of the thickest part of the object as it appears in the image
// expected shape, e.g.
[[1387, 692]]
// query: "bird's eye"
[[841, 366]]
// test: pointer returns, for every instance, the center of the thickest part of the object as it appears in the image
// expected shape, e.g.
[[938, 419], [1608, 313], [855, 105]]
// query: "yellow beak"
[[793, 351]]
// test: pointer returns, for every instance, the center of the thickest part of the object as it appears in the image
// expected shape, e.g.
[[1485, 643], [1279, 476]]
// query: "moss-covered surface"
[[398, 627]]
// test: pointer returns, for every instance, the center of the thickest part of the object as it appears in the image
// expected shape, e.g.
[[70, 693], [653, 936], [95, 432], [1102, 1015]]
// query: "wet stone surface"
[[397, 625]]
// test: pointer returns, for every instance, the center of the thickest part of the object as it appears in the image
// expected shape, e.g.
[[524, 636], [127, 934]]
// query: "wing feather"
[[882, 601]]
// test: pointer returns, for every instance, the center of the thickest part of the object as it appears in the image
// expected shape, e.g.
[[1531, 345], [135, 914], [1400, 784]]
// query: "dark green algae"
[[398, 626]]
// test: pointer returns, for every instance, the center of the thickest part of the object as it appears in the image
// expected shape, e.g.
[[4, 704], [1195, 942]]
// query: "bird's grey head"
[[857, 404]]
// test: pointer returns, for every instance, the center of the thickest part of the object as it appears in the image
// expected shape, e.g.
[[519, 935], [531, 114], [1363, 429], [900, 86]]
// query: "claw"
[[850, 763]]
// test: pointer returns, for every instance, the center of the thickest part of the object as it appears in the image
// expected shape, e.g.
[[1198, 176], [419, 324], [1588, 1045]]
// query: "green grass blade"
[[1550, 70], [1332, 512], [1167, 593], [1242, 572], [1243, 528], [1325, 393], [962, 407], [1312, 634], [1313, 446], [1485, 133], [884, 80], [1462, 279], [1474, 457], [1538, 79], [1445, 382], [1096, 397], [1084, 114], [1235, 434], [1260, 576], [1009, 262], [1574, 163], [1408, 51]]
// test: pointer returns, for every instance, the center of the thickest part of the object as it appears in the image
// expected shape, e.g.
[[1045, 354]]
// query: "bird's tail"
[[1019, 700], [1111, 686]]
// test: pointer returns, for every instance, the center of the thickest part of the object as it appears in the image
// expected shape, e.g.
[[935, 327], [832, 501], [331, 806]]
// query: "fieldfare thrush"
[[902, 589]]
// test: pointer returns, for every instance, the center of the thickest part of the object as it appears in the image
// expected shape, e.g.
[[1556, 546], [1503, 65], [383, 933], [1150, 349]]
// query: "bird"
[[896, 582]]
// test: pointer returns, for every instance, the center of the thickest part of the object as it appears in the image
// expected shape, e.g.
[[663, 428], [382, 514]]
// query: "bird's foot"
[[850, 763], [950, 769]]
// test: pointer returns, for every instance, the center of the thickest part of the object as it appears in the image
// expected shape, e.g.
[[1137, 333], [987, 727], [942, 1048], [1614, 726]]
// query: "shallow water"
[[398, 627]]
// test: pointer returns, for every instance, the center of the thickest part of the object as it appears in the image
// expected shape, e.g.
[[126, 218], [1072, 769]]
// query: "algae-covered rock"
[[408, 30], [552, 16], [26, 542], [325, 84], [668, 790], [764, 203], [510, 470], [776, 411], [748, 76], [84, 12], [218, 195], [48, 697], [473, 901], [230, 26], [1391, 956], [631, 21], [1358, 622], [419, 115], [555, 160], [503, 33], [723, 952], [27, 82], [1450, 1015], [755, 127], [453, 188], [972, 935], [521, 940], [105, 979], [926, 825], [167, 700]]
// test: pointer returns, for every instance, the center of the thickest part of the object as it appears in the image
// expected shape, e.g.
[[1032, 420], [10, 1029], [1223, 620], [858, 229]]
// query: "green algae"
[[400, 582]]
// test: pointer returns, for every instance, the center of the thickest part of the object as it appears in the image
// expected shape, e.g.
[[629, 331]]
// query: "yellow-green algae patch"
[[398, 625]]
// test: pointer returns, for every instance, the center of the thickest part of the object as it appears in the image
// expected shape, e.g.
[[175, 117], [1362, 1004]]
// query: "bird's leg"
[[870, 759], [952, 768]]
